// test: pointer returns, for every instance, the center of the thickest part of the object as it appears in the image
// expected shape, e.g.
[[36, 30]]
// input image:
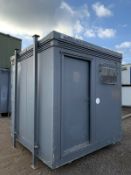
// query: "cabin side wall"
[[45, 104]]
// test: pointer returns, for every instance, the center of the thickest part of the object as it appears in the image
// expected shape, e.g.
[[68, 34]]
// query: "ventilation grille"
[[108, 74]]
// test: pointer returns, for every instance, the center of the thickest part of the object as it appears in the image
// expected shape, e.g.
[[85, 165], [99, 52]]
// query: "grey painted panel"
[[9, 92], [45, 104], [25, 101], [75, 105], [29, 100], [12, 95], [108, 111], [4, 90], [21, 108]]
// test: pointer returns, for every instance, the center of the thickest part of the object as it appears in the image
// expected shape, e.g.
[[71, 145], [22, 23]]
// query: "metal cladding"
[[4, 91], [66, 99]]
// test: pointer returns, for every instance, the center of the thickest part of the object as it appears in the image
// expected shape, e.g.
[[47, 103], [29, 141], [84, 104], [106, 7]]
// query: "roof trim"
[[73, 41], [69, 39]]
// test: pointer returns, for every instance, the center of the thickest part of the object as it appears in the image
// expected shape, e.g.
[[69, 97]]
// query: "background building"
[[126, 85], [7, 46]]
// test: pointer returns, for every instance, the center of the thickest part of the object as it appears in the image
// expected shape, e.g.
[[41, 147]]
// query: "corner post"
[[16, 53], [35, 116]]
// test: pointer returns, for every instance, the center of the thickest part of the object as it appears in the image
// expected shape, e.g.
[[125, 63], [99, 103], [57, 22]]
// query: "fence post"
[[35, 126], [15, 99]]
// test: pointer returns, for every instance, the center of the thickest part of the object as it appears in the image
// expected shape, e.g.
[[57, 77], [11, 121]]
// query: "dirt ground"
[[112, 160], [126, 110]]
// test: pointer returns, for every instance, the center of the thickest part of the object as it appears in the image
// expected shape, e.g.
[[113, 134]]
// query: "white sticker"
[[98, 100]]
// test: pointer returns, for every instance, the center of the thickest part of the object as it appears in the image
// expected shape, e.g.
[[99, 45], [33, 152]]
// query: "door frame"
[[83, 145], [59, 54]]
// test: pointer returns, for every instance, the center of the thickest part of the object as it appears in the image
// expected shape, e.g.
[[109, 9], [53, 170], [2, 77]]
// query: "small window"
[[108, 74]]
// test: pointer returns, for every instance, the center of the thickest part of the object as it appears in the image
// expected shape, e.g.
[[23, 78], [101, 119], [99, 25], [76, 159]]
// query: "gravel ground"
[[112, 160], [126, 110]]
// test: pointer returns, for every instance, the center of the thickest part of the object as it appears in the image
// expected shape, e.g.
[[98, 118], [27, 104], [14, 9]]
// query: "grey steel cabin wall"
[[24, 120], [4, 90], [46, 104], [104, 123], [25, 102], [108, 112], [12, 97], [57, 145]]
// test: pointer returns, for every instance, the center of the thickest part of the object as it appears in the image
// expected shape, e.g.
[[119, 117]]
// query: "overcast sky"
[[105, 23]]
